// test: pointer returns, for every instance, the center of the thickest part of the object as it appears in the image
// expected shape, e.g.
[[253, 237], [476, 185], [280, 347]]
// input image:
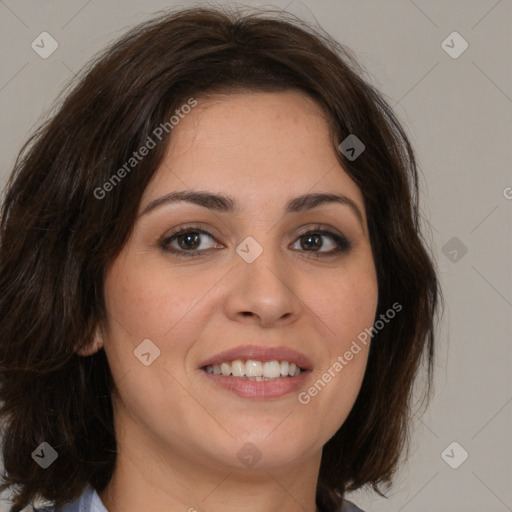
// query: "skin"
[[178, 433]]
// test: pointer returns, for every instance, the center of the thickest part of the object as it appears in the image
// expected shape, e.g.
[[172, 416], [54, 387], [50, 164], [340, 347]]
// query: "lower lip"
[[262, 389]]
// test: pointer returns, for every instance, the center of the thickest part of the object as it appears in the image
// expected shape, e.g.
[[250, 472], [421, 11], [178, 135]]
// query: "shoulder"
[[68, 507], [84, 503], [348, 506], [332, 502]]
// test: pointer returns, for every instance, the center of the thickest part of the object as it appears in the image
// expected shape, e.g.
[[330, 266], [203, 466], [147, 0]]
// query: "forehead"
[[253, 146]]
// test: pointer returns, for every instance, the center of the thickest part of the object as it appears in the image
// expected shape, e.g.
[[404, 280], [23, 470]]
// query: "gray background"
[[458, 112]]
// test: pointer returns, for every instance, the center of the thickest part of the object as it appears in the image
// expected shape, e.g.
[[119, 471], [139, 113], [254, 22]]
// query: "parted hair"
[[59, 233]]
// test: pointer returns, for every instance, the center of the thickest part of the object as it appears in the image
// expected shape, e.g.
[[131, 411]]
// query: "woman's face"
[[258, 276]]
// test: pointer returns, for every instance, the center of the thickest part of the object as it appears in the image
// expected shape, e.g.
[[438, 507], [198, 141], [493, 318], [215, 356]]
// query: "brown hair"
[[57, 239]]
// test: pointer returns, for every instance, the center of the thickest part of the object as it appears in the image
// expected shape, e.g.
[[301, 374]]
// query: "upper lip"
[[259, 353]]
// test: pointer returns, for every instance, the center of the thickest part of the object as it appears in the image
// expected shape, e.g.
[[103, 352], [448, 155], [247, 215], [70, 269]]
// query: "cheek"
[[150, 301], [169, 306], [142, 305], [347, 305]]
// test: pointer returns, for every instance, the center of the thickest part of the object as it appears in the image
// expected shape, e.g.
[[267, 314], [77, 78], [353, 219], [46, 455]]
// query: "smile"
[[255, 370]]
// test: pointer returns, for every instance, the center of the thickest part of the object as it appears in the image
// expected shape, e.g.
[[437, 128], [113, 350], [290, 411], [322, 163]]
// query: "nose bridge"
[[262, 282]]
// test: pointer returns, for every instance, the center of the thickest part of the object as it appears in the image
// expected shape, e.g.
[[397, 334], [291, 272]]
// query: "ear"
[[95, 345]]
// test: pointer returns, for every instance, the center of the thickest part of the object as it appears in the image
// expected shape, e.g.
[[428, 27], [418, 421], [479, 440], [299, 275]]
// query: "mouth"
[[253, 370], [257, 372]]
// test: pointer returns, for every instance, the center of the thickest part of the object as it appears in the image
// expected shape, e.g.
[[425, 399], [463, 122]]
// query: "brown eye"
[[315, 242], [188, 242]]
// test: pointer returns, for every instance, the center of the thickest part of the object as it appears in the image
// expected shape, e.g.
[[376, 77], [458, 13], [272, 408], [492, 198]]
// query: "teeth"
[[237, 368], [272, 369], [255, 370]]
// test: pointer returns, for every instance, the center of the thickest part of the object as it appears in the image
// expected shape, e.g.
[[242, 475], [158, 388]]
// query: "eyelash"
[[343, 244]]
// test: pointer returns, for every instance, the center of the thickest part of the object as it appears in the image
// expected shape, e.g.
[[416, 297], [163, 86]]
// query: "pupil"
[[315, 239], [191, 240]]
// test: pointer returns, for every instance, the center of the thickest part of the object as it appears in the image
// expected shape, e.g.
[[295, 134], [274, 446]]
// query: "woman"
[[214, 291]]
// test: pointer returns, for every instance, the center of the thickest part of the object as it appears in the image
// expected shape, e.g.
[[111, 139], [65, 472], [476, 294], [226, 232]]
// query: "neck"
[[148, 478]]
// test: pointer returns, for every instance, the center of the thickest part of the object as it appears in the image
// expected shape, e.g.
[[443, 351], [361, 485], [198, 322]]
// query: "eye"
[[194, 241], [315, 242], [189, 241]]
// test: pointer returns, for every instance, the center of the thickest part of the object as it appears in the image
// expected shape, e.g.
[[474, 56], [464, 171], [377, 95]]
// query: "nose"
[[262, 292]]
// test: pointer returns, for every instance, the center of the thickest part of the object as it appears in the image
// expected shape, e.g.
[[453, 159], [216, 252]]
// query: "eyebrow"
[[226, 204]]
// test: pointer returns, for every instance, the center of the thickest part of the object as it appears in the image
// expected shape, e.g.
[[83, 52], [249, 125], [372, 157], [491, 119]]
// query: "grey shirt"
[[89, 501]]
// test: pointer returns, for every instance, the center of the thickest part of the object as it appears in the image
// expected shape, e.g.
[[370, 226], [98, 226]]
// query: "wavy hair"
[[58, 238]]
